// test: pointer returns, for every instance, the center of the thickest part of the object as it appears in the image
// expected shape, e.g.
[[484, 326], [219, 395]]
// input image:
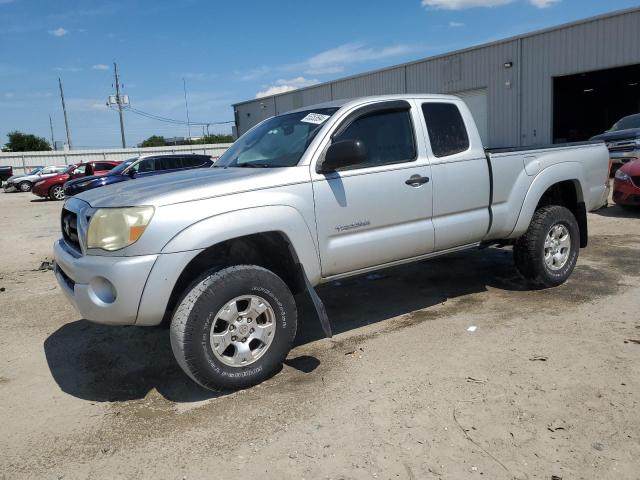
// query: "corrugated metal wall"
[[519, 99]]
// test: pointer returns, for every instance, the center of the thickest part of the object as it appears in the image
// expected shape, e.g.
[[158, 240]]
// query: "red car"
[[626, 185], [53, 187]]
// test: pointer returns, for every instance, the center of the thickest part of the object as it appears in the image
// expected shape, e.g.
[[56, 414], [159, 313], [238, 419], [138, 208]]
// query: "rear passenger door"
[[461, 178], [373, 213]]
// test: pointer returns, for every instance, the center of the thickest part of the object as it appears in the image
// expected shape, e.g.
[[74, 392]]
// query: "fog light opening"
[[102, 290]]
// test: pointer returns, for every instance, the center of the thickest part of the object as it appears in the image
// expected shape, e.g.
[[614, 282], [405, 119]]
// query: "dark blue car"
[[139, 167]]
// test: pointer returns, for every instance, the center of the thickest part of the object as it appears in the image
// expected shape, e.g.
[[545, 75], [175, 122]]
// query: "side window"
[[447, 132], [102, 166], [168, 163], [194, 161], [146, 165], [387, 136]]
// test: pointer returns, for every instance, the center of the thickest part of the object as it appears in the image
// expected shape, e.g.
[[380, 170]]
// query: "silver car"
[[24, 183]]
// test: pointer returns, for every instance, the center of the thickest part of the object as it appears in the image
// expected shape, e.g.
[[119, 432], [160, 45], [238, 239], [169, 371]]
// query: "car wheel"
[[234, 327], [56, 192], [24, 186], [548, 252]]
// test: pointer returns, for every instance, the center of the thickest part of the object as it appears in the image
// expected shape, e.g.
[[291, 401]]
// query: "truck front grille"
[[69, 225]]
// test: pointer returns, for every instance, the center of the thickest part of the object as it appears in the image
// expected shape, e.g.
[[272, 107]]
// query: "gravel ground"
[[547, 384]]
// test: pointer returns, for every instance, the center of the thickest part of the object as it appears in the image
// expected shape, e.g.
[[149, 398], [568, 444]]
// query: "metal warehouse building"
[[564, 83]]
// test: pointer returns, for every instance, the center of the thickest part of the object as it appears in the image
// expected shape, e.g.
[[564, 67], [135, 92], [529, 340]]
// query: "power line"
[[173, 121]]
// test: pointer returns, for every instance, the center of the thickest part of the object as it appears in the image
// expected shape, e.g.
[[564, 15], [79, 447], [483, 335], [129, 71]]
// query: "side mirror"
[[131, 172], [343, 153]]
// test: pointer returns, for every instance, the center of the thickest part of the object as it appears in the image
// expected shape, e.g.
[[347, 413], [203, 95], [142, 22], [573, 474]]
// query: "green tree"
[[207, 139], [25, 142], [154, 141]]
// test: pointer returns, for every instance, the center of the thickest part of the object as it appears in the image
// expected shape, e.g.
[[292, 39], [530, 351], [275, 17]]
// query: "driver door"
[[372, 214]]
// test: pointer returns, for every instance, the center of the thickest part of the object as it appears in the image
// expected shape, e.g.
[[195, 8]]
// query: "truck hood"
[[190, 185], [628, 134]]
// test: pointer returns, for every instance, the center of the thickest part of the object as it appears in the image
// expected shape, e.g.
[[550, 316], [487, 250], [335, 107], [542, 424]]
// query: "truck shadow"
[[616, 211], [101, 363]]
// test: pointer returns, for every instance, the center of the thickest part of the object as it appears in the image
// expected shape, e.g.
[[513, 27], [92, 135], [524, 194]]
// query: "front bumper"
[[40, 190], [626, 193], [103, 289], [620, 158]]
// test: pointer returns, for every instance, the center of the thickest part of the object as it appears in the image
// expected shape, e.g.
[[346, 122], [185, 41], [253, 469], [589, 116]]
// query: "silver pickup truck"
[[307, 197]]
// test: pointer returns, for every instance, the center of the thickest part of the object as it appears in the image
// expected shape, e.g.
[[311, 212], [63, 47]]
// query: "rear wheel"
[[56, 192], [548, 252], [234, 327], [24, 186]]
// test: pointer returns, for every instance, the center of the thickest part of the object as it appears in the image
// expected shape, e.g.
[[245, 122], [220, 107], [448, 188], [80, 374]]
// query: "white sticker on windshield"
[[316, 118]]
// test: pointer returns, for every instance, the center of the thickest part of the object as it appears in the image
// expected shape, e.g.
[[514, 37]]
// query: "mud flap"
[[321, 311]]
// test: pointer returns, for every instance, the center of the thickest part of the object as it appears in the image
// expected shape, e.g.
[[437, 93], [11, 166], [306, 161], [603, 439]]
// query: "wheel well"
[[569, 195], [270, 250]]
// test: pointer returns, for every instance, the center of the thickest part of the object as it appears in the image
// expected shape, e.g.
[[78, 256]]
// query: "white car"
[[24, 183]]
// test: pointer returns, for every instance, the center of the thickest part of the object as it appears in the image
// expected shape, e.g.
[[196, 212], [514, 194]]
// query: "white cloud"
[[456, 24], [58, 32], [335, 59], [543, 3], [330, 61], [100, 66], [68, 69], [282, 86], [462, 4]]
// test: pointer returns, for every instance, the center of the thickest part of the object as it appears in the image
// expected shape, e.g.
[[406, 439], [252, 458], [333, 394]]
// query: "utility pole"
[[64, 110], [186, 105], [53, 142], [119, 102]]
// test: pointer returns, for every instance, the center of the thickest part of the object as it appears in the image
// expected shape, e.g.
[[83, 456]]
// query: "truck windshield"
[[632, 121], [278, 142]]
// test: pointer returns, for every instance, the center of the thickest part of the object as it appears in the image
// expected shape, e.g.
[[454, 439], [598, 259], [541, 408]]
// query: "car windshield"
[[632, 121], [122, 167], [278, 142], [69, 169], [34, 171]]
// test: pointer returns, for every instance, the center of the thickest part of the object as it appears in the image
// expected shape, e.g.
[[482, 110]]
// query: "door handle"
[[416, 180]]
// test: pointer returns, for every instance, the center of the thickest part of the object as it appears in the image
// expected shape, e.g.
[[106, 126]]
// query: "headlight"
[[115, 228], [620, 175]]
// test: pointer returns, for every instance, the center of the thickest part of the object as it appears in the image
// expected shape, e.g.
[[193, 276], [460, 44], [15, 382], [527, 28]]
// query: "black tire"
[[25, 186], [529, 250], [195, 318], [53, 192]]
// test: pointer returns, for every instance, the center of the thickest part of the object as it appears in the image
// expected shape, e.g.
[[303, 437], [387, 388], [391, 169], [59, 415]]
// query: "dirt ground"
[[548, 384]]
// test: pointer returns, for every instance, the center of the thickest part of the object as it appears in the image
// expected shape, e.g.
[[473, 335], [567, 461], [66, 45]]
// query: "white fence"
[[21, 161]]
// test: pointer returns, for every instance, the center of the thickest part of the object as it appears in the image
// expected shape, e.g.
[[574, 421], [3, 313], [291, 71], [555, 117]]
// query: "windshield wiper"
[[253, 165]]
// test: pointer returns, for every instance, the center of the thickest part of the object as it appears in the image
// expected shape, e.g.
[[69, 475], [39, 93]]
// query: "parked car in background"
[[626, 185], [53, 187], [139, 167], [24, 183], [623, 140], [5, 173]]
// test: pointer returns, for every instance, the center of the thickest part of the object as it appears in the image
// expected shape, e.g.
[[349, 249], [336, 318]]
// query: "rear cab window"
[[447, 131]]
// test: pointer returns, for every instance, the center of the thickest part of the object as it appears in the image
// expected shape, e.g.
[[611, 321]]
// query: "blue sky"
[[226, 51]]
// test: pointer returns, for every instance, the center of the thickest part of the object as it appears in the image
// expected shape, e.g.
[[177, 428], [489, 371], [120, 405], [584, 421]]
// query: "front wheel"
[[56, 192], [234, 327], [24, 186], [548, 252]]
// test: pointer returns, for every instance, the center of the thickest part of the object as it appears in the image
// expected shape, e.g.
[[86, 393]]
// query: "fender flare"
[[560, 172], [253, 220]]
